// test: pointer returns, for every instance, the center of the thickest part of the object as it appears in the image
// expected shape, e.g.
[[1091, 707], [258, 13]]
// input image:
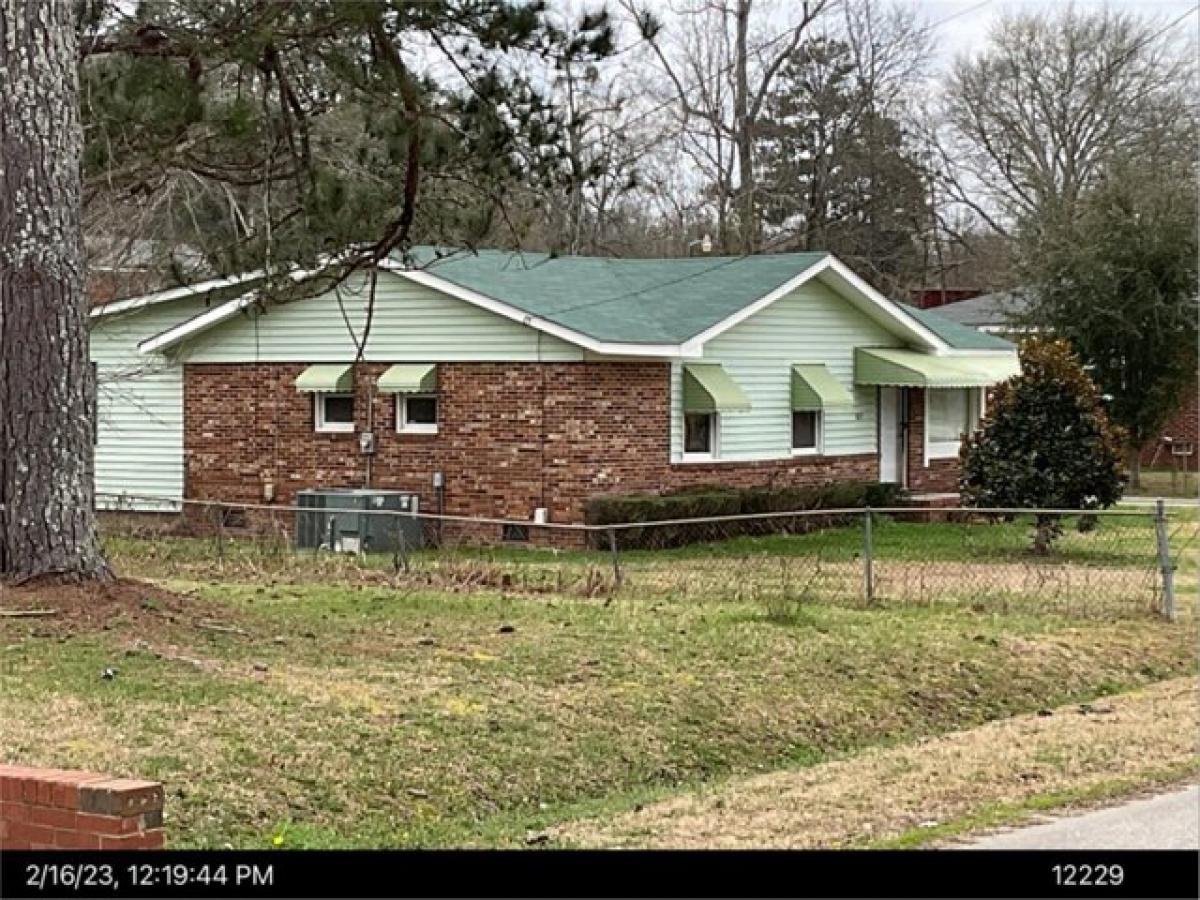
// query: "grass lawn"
[[291, 711], [934, 791], [1159, 483], [1125, 540], [1109, 570]]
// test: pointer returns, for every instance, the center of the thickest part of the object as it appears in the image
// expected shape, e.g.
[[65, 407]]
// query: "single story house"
[[522, 384]]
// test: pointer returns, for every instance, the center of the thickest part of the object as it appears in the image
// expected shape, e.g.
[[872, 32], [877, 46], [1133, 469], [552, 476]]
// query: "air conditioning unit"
[[349, 520]]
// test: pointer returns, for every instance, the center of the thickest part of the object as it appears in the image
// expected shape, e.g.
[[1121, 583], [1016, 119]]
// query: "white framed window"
[[333, 412], [950, 413], [417, 413], [700, 435], [807, 432]]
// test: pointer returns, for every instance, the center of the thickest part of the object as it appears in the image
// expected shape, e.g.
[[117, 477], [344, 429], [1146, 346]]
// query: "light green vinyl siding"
[[411, 323], [810, 325], [139, 451]]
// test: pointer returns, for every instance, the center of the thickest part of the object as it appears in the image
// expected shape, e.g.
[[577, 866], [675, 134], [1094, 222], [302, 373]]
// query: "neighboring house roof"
[[959, 335], [987, 311], [629, 306]]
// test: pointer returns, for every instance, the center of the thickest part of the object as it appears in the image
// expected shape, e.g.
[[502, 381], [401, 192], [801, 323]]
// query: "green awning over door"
[[814, 387], [409, 378], [327, 379], [908, 368], [708, 388]]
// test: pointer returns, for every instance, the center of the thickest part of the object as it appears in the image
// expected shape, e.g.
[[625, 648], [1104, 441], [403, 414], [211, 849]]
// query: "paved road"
[[1167, 822]]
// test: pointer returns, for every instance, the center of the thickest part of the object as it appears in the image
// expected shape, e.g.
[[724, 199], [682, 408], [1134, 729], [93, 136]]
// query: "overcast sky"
[[971, 18], [962, 25]]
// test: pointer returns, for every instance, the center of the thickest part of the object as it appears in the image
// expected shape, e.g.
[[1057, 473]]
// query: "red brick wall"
[[941, 475], [1185, 428], [43, 809], [928, 298], [799, 471], [511, 437]]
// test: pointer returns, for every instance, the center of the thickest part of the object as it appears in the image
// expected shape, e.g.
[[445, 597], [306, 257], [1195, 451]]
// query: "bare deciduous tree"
[[720, 71], [1030, 122]]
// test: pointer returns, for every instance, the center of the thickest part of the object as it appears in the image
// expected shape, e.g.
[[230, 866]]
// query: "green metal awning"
[[814, 387], [327, 379], [409, 378], [908, 368], [708, 388]]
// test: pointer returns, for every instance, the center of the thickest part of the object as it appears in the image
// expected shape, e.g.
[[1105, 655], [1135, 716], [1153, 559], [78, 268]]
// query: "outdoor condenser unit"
[[336, 519]]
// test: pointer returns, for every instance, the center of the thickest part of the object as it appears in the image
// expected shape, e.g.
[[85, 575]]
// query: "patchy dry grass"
[[373, 713], [934, 789], [1165, 483], [982, 563]]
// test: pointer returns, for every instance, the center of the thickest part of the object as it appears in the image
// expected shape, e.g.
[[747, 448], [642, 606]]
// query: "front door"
[[891, 435]]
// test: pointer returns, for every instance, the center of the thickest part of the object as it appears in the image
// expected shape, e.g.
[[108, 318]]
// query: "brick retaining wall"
[[45, 809]]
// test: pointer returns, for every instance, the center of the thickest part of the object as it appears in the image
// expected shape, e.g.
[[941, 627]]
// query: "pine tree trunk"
[[47, 522]]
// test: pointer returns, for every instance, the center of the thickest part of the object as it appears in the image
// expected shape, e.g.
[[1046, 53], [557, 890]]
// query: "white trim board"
[[830, 270], [196, 324], [212, 317], [176, 293], [499, 307], [886, 312]]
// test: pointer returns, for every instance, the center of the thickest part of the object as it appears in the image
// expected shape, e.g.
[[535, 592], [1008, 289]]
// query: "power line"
[[961, 12], [790, 32], [720, 264], [1155, 36], [725, 70]]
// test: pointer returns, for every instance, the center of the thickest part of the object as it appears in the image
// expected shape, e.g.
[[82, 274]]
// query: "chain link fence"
[[1096, 564]]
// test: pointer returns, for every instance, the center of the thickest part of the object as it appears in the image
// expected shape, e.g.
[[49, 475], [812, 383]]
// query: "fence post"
[[1164, 560], [616, 557], [400, 553], [219, 521], [868, 557]]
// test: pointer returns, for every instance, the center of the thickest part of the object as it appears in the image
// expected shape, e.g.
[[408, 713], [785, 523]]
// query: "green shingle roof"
[[642, 301], [647, 301], [958, 336]]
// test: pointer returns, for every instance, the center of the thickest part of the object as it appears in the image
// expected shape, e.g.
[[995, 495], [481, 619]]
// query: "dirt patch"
[[1132, 739], [122, 603]]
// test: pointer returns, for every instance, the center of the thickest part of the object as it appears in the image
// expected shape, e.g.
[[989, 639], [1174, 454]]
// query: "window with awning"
[[327, 379], [908, 368], [707, 387], [408, 378], [815, 388]]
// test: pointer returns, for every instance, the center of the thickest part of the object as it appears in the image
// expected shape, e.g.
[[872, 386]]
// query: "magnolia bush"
[[1046, 442]]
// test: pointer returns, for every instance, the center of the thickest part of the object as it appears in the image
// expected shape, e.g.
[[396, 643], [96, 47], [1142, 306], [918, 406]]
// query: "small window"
[[417, 413], [700, 435], [950, 413], [518, 534], [334, 412], [806, 432]]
